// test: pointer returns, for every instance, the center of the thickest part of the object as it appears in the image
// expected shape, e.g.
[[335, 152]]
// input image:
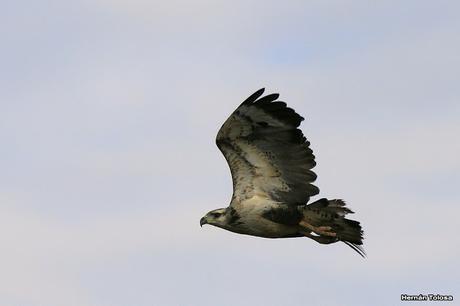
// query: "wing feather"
[[266, 152]]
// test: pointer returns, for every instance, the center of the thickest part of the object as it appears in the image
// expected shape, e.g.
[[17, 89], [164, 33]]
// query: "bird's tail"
[[329, 217]]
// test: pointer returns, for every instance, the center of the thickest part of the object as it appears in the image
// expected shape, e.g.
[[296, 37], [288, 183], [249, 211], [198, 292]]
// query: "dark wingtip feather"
[[277, 109], [252, 98], [268, 98]]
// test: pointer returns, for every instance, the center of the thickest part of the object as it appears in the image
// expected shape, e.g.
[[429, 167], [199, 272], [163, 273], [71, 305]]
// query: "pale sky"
[[109, 111]]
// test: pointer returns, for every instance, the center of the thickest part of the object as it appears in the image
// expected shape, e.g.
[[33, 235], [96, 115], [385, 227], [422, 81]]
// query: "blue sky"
[[109, 110]]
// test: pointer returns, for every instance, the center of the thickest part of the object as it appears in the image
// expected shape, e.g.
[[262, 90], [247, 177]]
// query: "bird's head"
[[216, 217]]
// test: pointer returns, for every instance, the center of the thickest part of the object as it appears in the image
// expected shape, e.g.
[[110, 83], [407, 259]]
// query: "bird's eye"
[[216, 215]]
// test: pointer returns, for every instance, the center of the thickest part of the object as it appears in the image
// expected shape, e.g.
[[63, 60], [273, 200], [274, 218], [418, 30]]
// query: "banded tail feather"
[[331, 214]]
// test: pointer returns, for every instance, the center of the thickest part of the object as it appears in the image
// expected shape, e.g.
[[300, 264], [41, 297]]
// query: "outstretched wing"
[[267, 154]]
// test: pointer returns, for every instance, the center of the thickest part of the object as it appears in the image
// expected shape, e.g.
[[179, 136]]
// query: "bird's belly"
[[253, 223], [265, 228]]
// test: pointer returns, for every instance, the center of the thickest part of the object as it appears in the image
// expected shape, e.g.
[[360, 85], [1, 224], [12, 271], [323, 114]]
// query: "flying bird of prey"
[[270, 162]]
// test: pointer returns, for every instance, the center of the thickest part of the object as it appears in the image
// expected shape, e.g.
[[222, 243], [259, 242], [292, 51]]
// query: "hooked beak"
[[203, 221]]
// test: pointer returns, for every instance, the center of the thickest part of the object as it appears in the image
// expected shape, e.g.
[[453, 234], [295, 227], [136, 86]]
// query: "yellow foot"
[[320, 230]]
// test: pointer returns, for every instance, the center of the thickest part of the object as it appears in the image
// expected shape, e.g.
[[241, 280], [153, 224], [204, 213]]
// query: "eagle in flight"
[[270, 162]]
